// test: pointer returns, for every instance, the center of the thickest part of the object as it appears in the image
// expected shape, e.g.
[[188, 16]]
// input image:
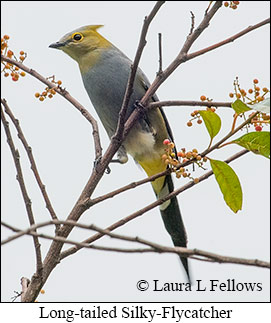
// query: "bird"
[[105, 71]]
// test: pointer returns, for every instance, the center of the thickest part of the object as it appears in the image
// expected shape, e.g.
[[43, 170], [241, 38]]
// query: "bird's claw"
[[97, 161]]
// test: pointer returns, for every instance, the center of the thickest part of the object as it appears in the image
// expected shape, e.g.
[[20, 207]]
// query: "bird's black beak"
[[57, 45]]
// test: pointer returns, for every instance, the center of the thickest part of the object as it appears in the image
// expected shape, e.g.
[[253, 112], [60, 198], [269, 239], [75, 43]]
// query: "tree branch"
[[154, 247], [32, 161], [27, 201], [228, 40], [158, 104]]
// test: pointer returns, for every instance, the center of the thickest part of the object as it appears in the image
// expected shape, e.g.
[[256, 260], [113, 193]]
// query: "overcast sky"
[[63, 148]]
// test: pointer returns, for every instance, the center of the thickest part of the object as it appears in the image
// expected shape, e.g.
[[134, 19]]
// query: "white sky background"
[[63, 148]]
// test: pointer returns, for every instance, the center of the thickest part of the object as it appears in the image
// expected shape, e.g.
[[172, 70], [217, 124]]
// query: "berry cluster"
[[174, 162], [257, 93], [253, 95], [9, 69], [195, 114], [48, 92], [232, 4]]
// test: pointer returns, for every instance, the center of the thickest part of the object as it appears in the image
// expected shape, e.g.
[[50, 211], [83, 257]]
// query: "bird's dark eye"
[[77, 37]]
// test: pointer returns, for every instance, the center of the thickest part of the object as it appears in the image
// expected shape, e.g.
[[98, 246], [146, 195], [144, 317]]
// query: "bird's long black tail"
[[173, 222]]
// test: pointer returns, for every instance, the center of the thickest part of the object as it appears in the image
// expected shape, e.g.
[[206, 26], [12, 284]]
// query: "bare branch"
[[27, 201], [31, 159], [154, 247], [228, 40], [160, 69], [152, 105], [192, 23], [24, 282]]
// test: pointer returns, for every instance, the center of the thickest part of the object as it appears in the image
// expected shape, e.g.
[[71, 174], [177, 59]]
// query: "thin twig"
[[27, 201], [192, 22], [160, 69], [189, 103], [32, 160], [228, 40]]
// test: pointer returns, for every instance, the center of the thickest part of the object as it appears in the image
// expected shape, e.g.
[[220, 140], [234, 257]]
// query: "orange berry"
[[59, 82], [21, 52], [50, 96], [22, 58], [41, 98], [203, 98], [255, 81], [199, 121], [14, 78], [250, 91], [37, 95], [226, 4], [181, 154], [189, 123], [231, 95], [9, 53], [42, 291], [238, 95], [6, 37], [6, 74], [265, 89], [22, 73], [196, 180], [257, 88]]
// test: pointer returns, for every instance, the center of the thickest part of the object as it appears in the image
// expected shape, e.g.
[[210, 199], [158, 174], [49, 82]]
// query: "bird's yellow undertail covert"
[[105, 71]]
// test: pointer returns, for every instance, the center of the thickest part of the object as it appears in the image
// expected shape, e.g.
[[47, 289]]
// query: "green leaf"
[[262, 106], [239, 106], [229, 184], [258, 142], [212, 122]]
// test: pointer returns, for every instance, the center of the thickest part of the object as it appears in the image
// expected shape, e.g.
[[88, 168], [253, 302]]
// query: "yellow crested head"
[[81, 42]]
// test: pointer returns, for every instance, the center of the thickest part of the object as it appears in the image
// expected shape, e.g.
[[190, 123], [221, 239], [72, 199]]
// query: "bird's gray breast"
[[105, 84]]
